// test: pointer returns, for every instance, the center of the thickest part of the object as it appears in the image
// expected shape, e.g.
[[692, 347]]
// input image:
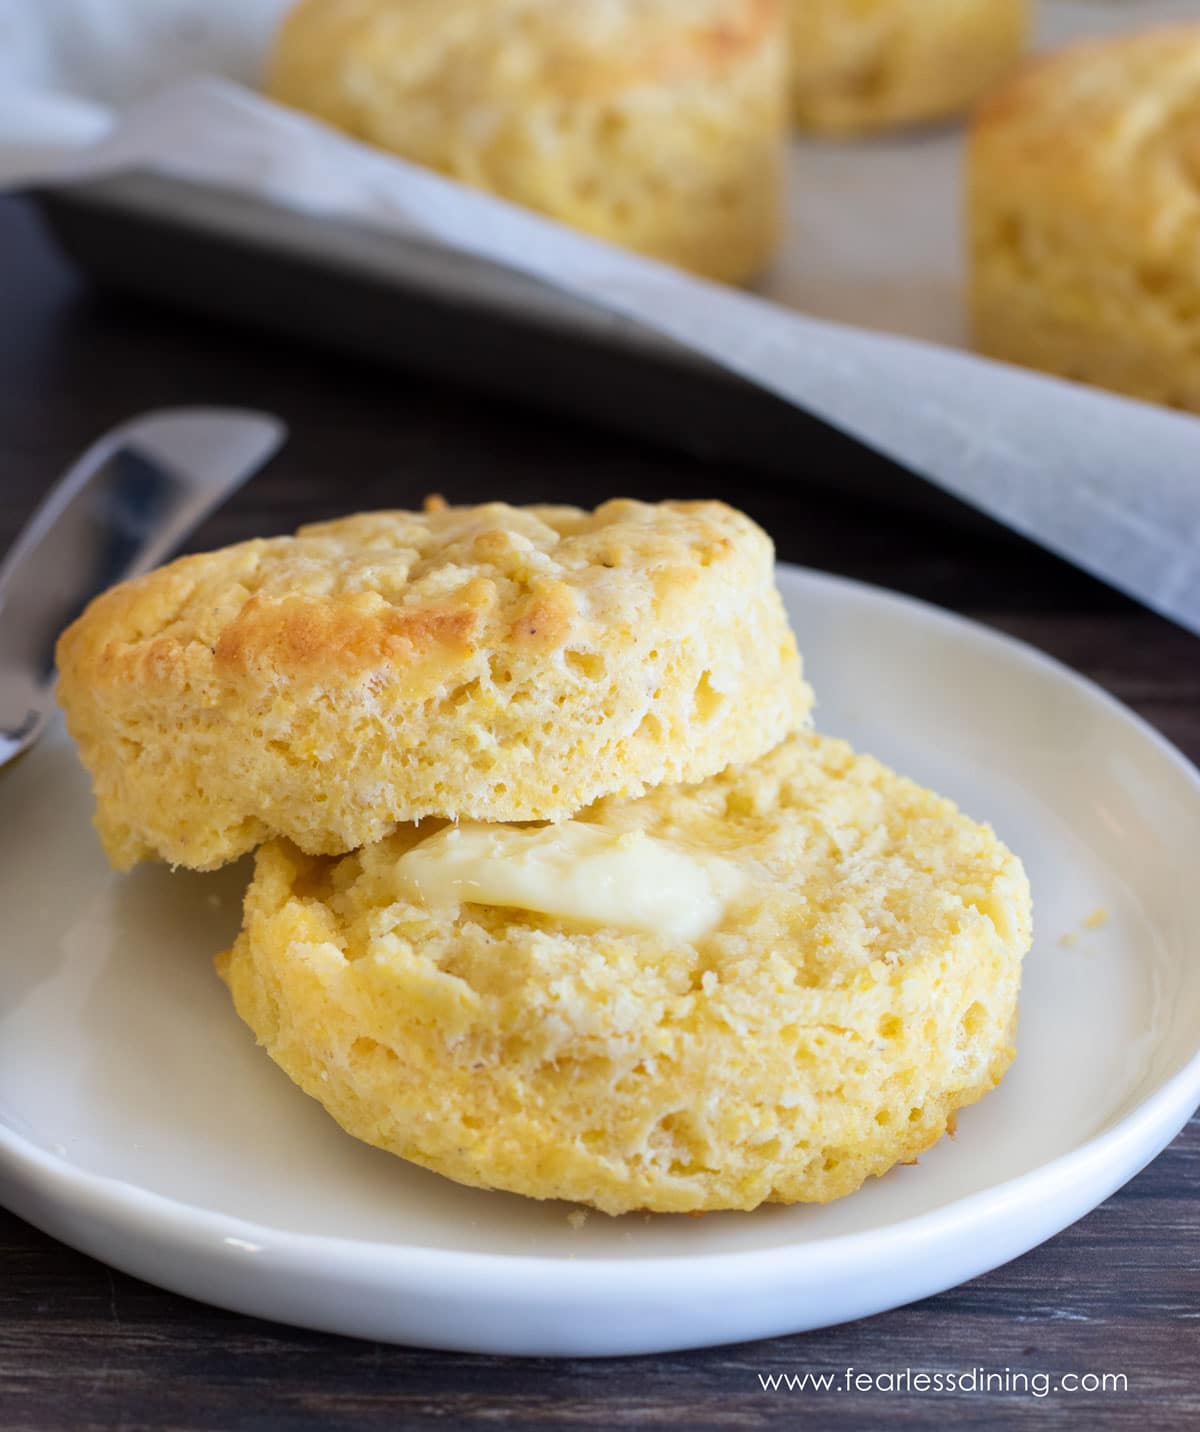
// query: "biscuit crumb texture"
[[656, 124], [1095, 920], [869, 64], [1084, 216], [495, 663], [862, 989]]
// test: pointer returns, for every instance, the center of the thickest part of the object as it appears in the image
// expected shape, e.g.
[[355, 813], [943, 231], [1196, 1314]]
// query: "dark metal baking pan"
[[362, 291]]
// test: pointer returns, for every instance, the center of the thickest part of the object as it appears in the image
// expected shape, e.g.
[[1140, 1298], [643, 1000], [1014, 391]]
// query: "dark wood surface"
[[81, 1346]]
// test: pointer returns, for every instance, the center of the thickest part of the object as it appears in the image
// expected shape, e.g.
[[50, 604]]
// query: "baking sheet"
[[1113, 485]]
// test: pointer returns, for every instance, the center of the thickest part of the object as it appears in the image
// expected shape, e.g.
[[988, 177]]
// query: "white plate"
[[139, 1123]]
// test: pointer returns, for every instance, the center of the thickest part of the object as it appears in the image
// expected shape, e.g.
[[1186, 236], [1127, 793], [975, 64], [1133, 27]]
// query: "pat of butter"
[[575, 872]]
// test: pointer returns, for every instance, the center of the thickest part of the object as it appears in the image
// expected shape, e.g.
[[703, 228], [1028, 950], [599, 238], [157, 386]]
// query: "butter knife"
[[124, 507]]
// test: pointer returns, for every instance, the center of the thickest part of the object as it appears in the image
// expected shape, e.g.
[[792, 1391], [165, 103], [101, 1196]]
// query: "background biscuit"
[[657, 124], [1085, 216], [866, 64]]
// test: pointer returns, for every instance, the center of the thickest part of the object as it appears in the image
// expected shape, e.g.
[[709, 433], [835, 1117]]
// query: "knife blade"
[[124, 507]]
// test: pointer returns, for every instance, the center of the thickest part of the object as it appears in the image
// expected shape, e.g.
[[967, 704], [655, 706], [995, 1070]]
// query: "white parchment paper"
[[95, 87]]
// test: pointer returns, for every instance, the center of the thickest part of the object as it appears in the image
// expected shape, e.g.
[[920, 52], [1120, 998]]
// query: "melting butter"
[[575, 872]]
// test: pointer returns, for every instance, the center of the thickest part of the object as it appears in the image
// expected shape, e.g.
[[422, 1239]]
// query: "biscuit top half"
[[1111, 127], [451, 51], [417, 592], [494, 663]]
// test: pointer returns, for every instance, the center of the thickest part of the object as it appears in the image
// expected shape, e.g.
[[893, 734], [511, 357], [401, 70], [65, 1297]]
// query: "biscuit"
[[656, 124], [1084, 213], [858, 988], [868, 64], [493, 663]]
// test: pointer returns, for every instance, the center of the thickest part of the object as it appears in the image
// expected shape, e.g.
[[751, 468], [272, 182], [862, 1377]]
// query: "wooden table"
[[81, 1346]]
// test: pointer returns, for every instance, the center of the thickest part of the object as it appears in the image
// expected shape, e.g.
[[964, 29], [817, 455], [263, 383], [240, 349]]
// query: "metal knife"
[[128, 502]]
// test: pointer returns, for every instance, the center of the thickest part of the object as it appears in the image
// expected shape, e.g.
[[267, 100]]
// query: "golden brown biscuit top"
[[1113, 123], [574, 48], [418, 592]]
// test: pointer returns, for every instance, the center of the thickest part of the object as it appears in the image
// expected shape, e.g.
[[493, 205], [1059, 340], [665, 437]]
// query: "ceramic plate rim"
[[1154, 1120]]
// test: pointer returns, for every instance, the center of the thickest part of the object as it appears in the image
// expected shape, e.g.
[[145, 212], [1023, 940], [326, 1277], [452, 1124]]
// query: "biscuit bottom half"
[[855, 985]]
